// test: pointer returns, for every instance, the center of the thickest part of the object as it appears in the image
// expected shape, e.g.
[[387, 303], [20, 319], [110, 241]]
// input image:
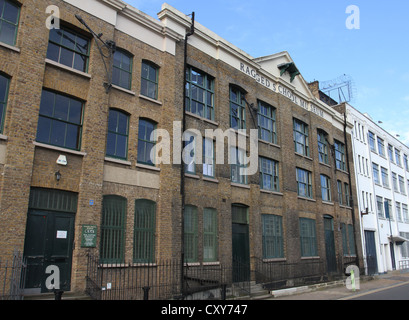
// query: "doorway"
[[330, 244], [49, 239], [371, 257], [240, 243]]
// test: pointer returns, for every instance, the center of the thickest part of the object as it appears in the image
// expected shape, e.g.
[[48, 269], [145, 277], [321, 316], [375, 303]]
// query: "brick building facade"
[[74, 151]]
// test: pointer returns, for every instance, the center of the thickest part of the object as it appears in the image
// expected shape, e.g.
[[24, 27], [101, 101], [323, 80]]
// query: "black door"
[[371, 258], [241, 252], [330, 245], [49, 242], [392, 255]]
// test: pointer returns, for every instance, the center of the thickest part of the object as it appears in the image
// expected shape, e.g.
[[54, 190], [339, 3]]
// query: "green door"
[[240, 243], [49, 242], [241, 253], [330, 244]]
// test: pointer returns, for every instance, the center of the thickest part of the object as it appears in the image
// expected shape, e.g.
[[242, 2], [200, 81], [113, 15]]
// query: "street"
[[397, 292]]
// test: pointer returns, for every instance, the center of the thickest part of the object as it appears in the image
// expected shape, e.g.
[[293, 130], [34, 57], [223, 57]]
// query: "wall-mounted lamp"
[[58, 175]]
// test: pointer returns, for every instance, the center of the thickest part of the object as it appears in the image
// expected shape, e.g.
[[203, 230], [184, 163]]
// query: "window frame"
[[308, 237], [272, 236], [241, 110], [340, 193], [236, 158], [208, 89], [55, 119], [385, 177], [210, 235], [268, 113], [301, 130], [3, 104], [127, 54], [190, 234], [148, 81], [145, 229], [325, 188], [308, 184], [75, 52], [371, 140], [117, 224], [322, 146], [15, 25], [209, 161], [339, 148], [146, 142], [376, 176], [189, 161], [381, 146], [273, 174], [116, 133]]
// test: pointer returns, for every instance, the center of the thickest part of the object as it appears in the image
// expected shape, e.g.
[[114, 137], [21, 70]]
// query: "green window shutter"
[[273, 246], [344, 239], [210, 244], [144, 232], [113, 229], [308, 237], [351, 239], [190, 230]]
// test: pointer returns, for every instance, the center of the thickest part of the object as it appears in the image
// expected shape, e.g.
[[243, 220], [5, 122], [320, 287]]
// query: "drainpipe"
[[182, 167], [350, 184]]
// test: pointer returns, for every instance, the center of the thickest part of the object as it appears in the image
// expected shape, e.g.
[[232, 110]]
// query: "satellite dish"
[[341, 89]]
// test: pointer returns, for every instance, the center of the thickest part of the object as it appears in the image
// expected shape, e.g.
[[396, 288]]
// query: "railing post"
[[146, 293], [224, 289]]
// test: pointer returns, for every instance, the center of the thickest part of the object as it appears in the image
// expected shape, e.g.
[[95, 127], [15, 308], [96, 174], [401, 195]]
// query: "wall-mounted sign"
[[281, 90], [89, 236]]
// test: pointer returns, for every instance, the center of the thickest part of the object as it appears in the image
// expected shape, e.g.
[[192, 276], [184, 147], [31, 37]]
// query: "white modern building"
[[382, 179]]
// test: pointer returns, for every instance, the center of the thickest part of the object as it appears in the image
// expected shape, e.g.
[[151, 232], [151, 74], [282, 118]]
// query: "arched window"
[[325, 188], [145, 141], [122, 69], [117, 136], [149, 79], [210, 243], [237, 108], [322, 137], [113, 229], [191, 233], [144, 231]]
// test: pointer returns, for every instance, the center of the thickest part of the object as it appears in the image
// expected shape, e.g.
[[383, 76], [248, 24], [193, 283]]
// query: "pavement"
[[338, 290]]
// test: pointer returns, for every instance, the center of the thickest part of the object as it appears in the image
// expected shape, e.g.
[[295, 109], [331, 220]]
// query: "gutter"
[[182, 167], [350, 186]]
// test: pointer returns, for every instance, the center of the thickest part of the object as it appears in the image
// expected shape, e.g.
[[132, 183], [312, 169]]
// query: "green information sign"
[[89, 236]]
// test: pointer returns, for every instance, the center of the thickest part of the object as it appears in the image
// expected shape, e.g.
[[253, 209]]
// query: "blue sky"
[[314, 32]]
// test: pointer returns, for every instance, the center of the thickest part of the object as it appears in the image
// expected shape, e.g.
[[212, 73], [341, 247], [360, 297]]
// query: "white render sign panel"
[[276, 87]]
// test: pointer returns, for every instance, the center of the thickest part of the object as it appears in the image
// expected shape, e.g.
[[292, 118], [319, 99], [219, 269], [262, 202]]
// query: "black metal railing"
[[283, 274], [162, 280], [130, 281], [12, 277]]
